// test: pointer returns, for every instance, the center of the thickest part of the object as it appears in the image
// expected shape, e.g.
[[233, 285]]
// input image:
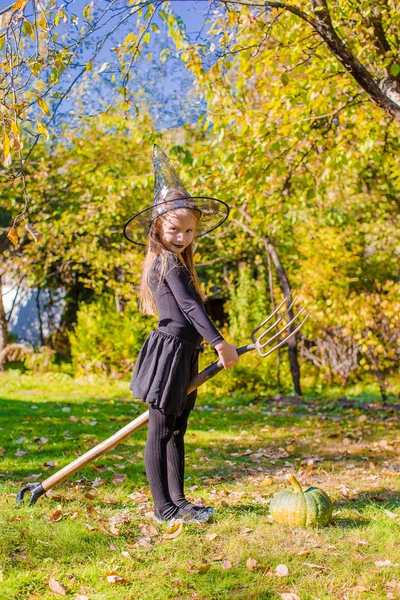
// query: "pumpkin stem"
[[292, 479]]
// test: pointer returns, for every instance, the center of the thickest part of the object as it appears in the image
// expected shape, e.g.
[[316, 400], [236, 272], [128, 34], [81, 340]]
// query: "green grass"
[[237, 458]]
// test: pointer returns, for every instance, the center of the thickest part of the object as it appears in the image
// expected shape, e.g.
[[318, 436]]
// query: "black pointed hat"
[[170, 194]]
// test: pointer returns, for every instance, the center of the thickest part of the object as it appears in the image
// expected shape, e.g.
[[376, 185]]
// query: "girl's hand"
[[227, 354]]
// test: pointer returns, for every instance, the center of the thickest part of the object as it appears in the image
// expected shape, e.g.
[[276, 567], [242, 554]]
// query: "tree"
[[362, 36], [308, 157]]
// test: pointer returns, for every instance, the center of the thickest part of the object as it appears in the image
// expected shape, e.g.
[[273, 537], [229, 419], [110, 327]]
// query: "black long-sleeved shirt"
[[180, 309]]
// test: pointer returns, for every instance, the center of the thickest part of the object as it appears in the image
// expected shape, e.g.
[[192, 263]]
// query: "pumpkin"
[[296, 508]]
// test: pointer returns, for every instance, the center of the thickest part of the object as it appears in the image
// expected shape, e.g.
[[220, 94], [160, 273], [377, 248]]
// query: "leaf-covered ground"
[[93, 537]]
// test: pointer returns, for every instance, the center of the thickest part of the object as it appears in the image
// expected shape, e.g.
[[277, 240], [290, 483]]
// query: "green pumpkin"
[[293, 507]]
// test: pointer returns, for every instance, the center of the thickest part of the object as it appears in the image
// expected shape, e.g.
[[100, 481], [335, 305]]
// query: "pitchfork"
[[261, 343]]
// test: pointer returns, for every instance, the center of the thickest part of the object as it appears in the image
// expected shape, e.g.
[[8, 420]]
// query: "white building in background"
[[33, 314]]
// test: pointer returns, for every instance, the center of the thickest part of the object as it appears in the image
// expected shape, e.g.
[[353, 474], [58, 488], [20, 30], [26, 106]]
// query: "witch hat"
[[170, 194]]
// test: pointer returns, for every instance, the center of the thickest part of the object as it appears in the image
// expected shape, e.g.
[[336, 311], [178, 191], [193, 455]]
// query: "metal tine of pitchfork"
[[259, 346], [271, 327]]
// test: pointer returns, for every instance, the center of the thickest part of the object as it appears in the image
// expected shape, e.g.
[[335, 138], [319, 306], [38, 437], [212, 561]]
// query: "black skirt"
[[164, 368]]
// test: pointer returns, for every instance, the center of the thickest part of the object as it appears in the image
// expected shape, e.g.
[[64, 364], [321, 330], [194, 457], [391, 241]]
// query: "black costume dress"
[[168, 359]]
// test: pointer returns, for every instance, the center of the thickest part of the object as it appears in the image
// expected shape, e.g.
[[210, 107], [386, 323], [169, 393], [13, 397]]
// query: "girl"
[[168, 359]]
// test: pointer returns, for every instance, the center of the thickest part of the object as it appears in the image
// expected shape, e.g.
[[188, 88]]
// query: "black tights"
[[165, 461]]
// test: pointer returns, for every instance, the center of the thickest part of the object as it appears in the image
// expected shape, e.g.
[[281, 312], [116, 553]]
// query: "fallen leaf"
[[251, 564], [390, 514], [304, 553], [313, 566], [90, 494], [41, 440], [360, 588], [113, 577], [2, 451], [49, 464], [110, 501], [117, 520], [119, 478], [56, 587], [211, 536], [362, 418], [226, 564], [80, 597], [73, 419], [281, 571], [89, 527], [289, 596], [267, 482], [56, 515], [383, 563], [20, 453], [246, 531], [173, 531], [138, 497], [199, 570], [97, 482], [126, 554], [148, 530]]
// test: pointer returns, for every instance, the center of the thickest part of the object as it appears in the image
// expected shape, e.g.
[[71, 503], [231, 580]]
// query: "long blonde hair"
[[156, 249]]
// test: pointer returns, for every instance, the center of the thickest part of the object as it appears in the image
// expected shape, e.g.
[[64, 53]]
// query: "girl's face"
[[177, 230]]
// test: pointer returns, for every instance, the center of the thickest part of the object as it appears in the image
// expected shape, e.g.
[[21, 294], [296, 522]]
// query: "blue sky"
[[166, 87]]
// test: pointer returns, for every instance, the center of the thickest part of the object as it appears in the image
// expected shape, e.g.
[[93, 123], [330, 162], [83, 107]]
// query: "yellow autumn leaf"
[[173, 531], [44, 106], [42, 129], [18, 5], [13, 236], [6, 145]]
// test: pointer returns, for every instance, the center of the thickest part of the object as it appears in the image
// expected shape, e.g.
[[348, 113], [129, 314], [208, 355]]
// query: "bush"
[[107, 341]]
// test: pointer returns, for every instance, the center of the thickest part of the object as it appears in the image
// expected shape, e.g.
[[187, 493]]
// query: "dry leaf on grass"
[[56, 515], [113, 577], [281, 571], [119, 478], [390, 514], [226, 565], [90, 494], [289, 596], [148, 530], [251, 564], [138, 497], [173, 531], [211, 536], [360, 588], [117, 520], [20, 453], [314, 566], [56, 587], [80, 597], [41, 440], [199, 570], [383, 563]]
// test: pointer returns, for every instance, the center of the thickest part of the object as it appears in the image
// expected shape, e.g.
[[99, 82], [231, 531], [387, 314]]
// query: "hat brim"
[[213, 213]]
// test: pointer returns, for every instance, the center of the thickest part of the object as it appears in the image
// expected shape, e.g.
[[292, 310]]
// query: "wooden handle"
[[130, 428]]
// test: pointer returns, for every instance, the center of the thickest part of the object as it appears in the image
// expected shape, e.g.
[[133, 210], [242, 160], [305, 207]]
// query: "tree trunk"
[[3, 327], [292, 343]]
